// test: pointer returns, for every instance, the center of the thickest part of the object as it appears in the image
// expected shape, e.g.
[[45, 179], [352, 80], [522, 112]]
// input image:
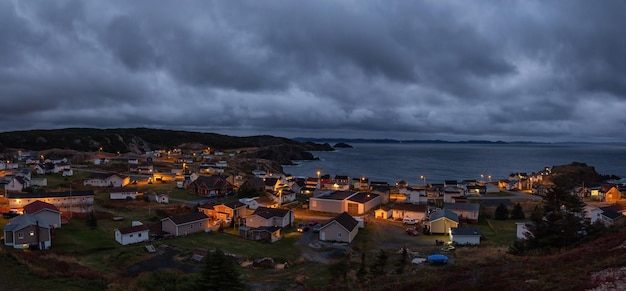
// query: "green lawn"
[[77, 236], [503, 232]]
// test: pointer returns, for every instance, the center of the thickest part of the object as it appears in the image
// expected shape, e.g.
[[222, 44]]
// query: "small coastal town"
[[171, 209]]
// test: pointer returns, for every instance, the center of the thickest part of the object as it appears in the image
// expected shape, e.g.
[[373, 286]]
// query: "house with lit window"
[[26, 231], [65, 201], [355, 203], [210, 186]]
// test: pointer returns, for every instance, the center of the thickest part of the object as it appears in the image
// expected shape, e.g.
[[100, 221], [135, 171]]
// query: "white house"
[[16, 183], [415, 194], [122, 193], [251, 202], [107, 180], [48, 214], [593, 213], [522, 229], [342, 228], [132, 234], [465, 235]]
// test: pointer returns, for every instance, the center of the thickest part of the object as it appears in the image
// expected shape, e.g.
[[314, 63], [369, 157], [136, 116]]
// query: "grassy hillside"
[[130, 139]]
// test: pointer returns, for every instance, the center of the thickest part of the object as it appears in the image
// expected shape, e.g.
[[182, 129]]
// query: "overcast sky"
[[453, 70]]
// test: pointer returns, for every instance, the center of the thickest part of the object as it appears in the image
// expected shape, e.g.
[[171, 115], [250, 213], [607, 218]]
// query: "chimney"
[[37, 232]]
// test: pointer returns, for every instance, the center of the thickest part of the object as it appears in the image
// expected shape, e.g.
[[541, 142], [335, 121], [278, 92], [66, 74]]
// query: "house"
[[27, 231], [44, 169], [522, 230], [415, 194], [613, 195], [250, 202], [441, 221], [265, 233], [254, 183], [224, 211], [465, 235], [383, 213], [48, 214], [17, 183], [476, 189], [185, 224], [355, 203], [266, 201], [613, 215], [284, 195], [263, 216], [592, 213], [122, 193], [210, 186], [107, 180], [342, 228], [159, 198], [132, 234], [466, 211], [66, 201], [414, 211]]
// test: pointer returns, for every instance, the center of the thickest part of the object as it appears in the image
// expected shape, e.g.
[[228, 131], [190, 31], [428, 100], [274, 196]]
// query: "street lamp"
[[482, 178], [423, 178]]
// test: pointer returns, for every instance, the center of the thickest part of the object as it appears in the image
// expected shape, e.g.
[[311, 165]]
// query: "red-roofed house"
[[46, 213]]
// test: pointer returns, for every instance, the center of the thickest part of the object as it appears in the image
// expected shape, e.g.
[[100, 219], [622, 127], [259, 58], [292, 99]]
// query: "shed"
[[465, 235]]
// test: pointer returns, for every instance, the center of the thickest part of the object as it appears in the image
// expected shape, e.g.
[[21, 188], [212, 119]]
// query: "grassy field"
[[500, 232], [498, 194]]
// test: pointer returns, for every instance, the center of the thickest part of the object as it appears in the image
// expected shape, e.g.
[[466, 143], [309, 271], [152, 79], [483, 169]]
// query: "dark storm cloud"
[[506, 70]]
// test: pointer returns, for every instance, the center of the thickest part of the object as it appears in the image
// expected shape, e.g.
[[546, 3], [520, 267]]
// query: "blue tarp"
[[437, 258]]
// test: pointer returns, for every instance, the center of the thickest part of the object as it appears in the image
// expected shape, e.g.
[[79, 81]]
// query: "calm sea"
[[439, 162]]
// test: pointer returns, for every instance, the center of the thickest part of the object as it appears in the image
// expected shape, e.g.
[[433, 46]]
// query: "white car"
[[408, 220]]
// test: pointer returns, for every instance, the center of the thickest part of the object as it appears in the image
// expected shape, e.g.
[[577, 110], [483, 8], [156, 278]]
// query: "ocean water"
[[438, 162]]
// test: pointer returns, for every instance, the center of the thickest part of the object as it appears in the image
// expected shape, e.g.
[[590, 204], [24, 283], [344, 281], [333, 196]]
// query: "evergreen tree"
[[559, 224], [220, 273], [92, 221], [518, 212], [362, 271], [381, 261], [501, 213], [403, 259]]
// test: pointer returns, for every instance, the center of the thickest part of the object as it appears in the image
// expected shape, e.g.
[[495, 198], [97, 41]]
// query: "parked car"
[[412, 231], [316, 228], [303, 227], [312, 223], [409, 220]]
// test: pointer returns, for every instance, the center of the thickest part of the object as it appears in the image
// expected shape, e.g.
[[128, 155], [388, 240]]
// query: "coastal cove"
[[391, 162]]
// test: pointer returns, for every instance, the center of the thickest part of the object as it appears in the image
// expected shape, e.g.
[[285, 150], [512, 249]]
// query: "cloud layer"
[[455, 70]]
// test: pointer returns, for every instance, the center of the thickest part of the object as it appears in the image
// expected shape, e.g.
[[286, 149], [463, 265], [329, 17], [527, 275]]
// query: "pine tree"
[[220, 273], [559, 224], [518, 212], [381, 261], [403, 259], [501, 213]]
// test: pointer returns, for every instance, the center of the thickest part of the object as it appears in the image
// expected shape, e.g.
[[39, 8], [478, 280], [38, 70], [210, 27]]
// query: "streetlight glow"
[[423, 178]]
